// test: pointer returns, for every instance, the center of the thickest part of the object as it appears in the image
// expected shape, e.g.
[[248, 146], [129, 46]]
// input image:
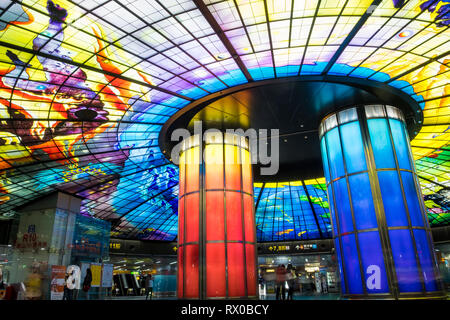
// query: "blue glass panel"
[[394, 207], [325, 159], [373, 262], [362, 201], [331, 206], [344, 212], [400, 143], [412, 199], [405, 261], [426, 263], [335, 154], [351, 263], [381, 143], [341, 271], [353, 147]]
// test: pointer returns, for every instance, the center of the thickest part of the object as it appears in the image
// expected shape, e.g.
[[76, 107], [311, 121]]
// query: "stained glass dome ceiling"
[[86, 86]]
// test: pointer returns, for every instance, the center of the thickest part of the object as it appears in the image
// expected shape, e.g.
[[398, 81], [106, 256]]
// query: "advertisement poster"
[[96, 269], [107, 275], [57, 283]]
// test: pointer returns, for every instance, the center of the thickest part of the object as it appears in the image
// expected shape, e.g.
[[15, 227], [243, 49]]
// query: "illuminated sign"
[[115, 246], [279, 248]]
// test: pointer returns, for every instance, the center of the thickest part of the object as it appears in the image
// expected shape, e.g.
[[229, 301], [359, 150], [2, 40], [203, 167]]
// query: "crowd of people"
[[286, 280]]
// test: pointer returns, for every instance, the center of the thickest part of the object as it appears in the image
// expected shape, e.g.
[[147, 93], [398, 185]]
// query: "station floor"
[[331, 296]]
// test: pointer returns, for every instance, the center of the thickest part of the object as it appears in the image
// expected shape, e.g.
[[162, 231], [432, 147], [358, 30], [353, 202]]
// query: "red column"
[[216, 222]]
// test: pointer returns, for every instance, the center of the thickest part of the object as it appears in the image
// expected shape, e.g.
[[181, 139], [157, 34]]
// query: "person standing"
[[290, 277], [149, 286], [280, 278], [262, 286], [75, 273], [65, 294], [69, 286], [87, 282]]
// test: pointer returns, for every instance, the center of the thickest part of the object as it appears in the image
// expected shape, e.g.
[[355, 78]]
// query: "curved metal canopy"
[[86, 86], [295, 107]]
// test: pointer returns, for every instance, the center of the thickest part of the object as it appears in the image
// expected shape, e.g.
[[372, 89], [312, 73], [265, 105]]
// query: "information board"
[[107, 275]]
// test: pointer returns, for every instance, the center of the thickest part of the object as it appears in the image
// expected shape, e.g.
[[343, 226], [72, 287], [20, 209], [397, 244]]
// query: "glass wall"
[[130, 272], [313, 276]]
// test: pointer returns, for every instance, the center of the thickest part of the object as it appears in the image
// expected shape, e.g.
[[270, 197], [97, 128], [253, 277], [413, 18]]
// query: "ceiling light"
[[222, 56]]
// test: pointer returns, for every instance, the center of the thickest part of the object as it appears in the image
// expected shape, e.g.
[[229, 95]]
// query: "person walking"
[[87, 282], [280, 278], [149, 286]]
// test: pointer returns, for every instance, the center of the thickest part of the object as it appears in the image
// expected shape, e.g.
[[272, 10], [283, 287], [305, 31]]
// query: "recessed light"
[[405, 34], [221, 56]]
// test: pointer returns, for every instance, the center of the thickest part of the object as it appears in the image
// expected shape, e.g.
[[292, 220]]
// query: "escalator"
[[119, 285], [133, 284]]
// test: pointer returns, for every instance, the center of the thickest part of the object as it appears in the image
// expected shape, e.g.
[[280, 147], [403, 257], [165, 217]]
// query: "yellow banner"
[[96, 270]]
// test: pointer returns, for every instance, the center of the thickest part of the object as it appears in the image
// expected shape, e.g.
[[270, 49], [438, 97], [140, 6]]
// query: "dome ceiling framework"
[[86, 87]]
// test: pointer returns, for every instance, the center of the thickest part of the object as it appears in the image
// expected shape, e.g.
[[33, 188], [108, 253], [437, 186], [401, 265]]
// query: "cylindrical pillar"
[[380, 228], [216, 221]]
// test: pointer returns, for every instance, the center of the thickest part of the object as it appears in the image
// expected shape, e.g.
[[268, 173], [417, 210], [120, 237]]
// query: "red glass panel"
[[234, 217], [181, 174], [191, 272], [214, 215], [232, 168], [214, 167], [249, 218], [192, 170], [236, 277], [180, 220], [192, 217], [215, 270], [251, 269], [180, 273]]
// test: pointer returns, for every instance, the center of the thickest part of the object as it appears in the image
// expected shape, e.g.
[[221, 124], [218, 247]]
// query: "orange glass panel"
[[192, 169], [236, 277], [247, 183], [215, 215], [251, 269], [192, 217], [180, 220], [191, 272], [249, 218], [215, 270], [214, 167], [180, 273], [232, 168], [234, 217]]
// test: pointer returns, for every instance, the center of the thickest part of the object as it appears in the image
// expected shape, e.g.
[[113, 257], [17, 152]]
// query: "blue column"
[[380, 228]]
